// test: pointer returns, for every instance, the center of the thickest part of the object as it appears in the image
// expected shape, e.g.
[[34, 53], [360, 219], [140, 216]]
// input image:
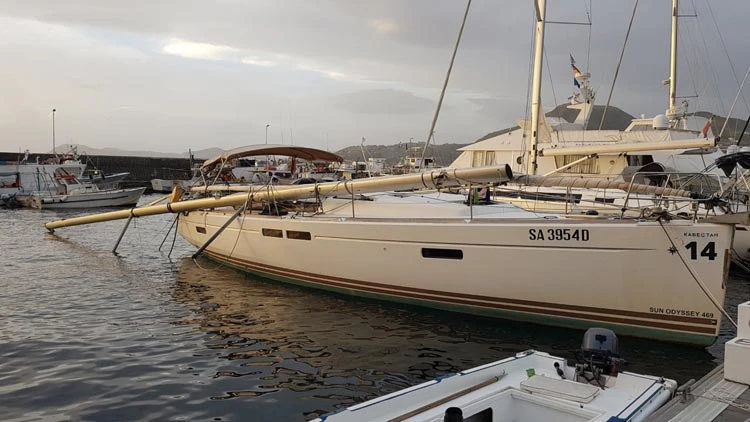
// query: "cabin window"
[[489, 158], [273, 233], [590, 166], [605, 200], [483, 416], [642, 127], [442, 253], [200, 229], [477, 158], [291, 234]]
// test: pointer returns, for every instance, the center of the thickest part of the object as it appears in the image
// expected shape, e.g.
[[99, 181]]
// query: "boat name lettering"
[[700, 234], [580, 235], [680, 312]]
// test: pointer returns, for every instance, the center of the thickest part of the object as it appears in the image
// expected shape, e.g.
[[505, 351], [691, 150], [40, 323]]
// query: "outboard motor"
[[600, 352]]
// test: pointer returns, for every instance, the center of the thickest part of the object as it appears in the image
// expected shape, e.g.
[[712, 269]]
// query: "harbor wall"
[[141, 169]]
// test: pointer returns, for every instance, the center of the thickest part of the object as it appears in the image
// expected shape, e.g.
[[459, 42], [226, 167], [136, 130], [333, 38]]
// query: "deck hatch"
[[442, 253], [273, 233], [292, 234]]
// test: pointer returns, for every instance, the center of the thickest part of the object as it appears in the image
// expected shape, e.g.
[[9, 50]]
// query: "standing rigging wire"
[[739, 92], [619, 63], [552, 87], [698, 68], [713, 72], [724, 46], [445, 83], [690, 70], [588, 63], [589, 9]]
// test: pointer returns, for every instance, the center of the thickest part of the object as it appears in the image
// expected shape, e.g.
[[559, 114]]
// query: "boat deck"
[[712, 398]]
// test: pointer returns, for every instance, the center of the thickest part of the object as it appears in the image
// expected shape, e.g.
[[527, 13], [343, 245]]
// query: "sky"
[[169, 75]]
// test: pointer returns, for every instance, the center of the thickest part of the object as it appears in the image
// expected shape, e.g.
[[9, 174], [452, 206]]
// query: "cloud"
[[202, 74], [200, 50], [490, 107], [384, 26], [257, 61], [216, 52], [383, 101]]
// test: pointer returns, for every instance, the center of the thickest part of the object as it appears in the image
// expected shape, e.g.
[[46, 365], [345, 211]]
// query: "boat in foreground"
[[530, 386]]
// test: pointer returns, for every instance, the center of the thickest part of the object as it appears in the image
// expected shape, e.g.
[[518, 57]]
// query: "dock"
[[712, 398], [723, 395]]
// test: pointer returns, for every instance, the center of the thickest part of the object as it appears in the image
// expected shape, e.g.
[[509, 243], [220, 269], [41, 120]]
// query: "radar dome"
[[661, 122]]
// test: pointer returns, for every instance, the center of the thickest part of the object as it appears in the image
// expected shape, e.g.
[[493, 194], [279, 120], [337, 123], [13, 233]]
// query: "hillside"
[[444, 154], [733, 130], [202, 154]]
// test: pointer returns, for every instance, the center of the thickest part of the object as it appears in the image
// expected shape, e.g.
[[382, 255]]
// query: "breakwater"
[[141, 169]]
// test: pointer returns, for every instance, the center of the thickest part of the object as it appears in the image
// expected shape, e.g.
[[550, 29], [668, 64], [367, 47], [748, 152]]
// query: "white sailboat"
[[577, 156], [653, 277]]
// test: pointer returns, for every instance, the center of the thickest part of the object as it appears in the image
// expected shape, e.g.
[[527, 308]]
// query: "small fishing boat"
[[106, 181], [167, 185], [71, 193], [530, 386], [26, 175]]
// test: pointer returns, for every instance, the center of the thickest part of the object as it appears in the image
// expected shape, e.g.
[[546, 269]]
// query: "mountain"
[[732, 131], [202, 154], [443, 153]]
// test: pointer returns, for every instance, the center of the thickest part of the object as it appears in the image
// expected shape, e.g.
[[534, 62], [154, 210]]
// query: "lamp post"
[[54, 151], [267, 126]]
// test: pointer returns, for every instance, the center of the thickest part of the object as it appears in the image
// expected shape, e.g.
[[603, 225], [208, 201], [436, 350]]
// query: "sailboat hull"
[[623, 275]]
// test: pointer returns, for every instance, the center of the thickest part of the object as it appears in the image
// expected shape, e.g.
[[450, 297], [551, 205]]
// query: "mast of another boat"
[[672, 112], [536, 87]]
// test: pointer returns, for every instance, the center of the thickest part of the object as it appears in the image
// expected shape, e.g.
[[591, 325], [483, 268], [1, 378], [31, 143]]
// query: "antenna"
[[54, 150], [364, 157]]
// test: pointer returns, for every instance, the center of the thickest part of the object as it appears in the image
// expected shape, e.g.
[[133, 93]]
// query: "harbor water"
[[145, 335]]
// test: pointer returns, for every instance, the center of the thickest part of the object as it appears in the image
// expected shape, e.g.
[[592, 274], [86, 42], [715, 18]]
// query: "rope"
[[729, 59], [710, 62], [739, 91], [242, 223], [695, 277], [619, 63], [589, 9], [174, 236], [559, 133], [723, 396], [445, 83]]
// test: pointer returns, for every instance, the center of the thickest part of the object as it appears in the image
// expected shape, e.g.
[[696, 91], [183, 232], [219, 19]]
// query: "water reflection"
[[90, 336], [331, 351]]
